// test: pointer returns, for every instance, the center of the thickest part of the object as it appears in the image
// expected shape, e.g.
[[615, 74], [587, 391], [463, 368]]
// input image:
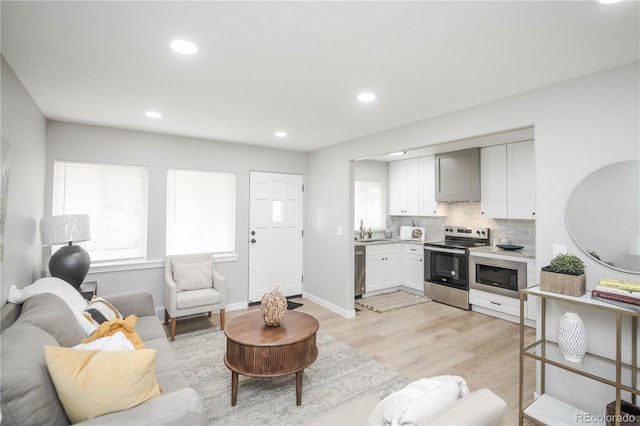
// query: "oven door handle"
[[445, 250]]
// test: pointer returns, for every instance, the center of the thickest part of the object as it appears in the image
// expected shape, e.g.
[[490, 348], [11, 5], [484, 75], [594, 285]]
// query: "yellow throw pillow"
[[109, 328], [93, 383]]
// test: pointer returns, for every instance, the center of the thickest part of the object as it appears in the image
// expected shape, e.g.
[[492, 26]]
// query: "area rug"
[[339, 375], [390, 301]]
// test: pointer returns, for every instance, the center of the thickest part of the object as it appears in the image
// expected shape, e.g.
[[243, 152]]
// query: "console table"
[[549, 410]]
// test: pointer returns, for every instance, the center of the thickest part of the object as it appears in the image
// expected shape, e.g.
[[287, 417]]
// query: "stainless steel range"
[[446, 264]]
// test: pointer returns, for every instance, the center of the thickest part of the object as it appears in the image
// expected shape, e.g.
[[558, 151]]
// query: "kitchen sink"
[[372, 240]]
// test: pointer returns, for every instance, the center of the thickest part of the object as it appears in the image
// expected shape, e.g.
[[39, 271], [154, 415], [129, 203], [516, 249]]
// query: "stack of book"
[[624, 294]]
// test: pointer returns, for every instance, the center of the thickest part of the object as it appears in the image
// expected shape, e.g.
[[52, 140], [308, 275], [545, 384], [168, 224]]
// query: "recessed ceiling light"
[[153, 114], [184, 47], [281, 134], [366, 97], [394, 154]]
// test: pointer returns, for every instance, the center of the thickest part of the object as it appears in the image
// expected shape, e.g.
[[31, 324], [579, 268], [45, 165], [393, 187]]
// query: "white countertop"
[[386, 241], [527, 252]]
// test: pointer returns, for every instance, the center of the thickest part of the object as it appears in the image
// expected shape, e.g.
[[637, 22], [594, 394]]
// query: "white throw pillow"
[[60, 288], [419, 401], [192, 276], [116, 342]]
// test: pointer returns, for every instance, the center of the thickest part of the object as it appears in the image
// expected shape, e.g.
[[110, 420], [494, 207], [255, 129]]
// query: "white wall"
[[75, 142], [372, 171], [23, 155], [580, 125]]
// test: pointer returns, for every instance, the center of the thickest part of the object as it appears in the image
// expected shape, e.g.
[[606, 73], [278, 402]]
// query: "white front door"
[[275, 234]]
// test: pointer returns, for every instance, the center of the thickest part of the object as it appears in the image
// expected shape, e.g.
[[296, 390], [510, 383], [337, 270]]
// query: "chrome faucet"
[[361, 230]]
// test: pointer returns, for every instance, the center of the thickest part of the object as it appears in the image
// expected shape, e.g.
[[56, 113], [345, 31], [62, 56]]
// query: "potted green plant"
[[564, 275]]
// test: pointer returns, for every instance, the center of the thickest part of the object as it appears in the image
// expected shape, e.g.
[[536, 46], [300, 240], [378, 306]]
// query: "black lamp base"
[[71, 264]]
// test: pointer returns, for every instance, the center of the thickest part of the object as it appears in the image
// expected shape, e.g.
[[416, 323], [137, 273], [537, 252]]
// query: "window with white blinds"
[[114, 197], [201, 212], [369, 204]]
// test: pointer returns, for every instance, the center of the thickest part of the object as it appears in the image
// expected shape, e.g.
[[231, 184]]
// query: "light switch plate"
[[559, 249], [339, 231]]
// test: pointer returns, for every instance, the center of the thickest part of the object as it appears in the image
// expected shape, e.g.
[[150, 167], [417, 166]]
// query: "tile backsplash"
[[517, 231]]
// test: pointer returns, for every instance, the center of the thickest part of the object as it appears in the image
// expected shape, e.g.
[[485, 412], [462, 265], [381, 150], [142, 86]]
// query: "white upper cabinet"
[[521, 179], [404, 187], [508, 181], [428, 203], [493, 181], [412, 187]]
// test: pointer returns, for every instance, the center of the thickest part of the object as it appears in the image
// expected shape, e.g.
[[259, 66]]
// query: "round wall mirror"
[[603, 216]]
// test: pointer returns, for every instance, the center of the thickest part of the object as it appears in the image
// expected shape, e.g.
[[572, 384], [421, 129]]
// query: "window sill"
[[117, 266]]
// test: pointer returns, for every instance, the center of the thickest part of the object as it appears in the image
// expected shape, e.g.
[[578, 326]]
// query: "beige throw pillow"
[[192, 276], [92, 383], [100, 310]]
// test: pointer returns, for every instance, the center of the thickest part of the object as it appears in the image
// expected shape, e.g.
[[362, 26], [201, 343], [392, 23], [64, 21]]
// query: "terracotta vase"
[[274, 307]]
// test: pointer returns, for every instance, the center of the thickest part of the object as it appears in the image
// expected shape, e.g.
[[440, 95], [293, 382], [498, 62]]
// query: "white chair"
[[192, 286]]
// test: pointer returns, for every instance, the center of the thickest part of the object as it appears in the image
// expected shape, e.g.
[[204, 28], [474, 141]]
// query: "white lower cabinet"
[[384, 266], [414, 266], [495, 302], [506, 307]]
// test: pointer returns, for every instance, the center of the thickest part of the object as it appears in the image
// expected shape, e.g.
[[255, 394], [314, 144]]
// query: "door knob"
[[253, 241]]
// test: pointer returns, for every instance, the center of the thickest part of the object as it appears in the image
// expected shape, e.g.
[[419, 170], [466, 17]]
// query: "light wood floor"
[[426, 340]]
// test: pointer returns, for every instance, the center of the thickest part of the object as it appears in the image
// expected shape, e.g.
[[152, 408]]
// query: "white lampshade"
[[64, 229]]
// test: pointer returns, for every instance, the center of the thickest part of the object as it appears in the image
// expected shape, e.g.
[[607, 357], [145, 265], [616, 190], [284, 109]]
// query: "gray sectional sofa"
[[28, 394]]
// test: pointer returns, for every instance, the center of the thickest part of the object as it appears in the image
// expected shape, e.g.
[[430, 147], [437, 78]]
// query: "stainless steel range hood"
[[458, 175]]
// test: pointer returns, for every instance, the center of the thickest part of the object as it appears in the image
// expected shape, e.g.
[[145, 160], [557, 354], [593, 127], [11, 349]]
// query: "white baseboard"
[[228, 308], [330, 306], [244, 305], [236, 306]]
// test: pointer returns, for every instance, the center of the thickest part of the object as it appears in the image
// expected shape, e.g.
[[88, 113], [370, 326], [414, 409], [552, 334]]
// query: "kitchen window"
[[369, 204], [201, 212], [114, 197]]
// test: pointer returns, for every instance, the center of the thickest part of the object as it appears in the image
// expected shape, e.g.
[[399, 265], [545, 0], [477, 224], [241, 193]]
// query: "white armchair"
[[192, 286]]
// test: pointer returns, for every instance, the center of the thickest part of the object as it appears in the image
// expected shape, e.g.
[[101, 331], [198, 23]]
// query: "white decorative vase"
[[572, 336]]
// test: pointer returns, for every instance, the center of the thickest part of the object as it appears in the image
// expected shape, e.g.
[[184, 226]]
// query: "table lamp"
[[71, 262]]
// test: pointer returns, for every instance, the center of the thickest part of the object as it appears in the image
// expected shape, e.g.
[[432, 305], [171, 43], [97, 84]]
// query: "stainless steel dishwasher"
[[360, 270]]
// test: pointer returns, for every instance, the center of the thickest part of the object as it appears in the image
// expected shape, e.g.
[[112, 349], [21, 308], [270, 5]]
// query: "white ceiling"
[[298, 66]]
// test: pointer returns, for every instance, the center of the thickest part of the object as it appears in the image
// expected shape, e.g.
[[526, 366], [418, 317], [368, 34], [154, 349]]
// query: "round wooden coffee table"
[[254, 349]]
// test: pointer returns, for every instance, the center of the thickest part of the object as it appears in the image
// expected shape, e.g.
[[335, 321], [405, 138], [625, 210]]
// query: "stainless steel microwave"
[[500, 276]]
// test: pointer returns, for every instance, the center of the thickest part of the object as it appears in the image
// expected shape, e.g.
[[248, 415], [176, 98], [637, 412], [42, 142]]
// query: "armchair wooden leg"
[[173, 329], [166, 317], [209, 314], [221, 319]]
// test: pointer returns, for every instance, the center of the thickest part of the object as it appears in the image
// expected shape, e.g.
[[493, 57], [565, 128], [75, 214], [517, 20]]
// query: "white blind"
[[201, 212], [114, 197], [369, 204]]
